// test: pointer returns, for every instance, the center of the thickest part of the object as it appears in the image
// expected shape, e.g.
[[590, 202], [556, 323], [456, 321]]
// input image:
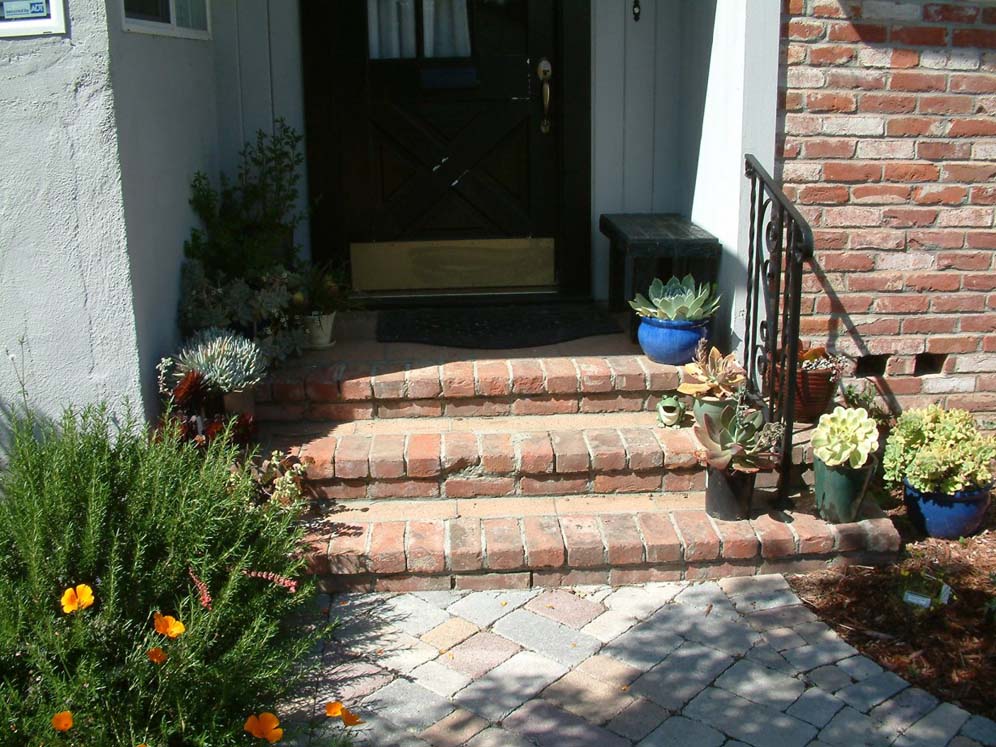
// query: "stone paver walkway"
[[738, 662]]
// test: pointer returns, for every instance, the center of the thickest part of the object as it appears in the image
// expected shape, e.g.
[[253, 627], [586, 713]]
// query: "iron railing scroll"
[[780, 243]]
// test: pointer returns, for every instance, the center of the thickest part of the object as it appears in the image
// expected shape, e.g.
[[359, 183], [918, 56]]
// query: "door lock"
[[544, 71]]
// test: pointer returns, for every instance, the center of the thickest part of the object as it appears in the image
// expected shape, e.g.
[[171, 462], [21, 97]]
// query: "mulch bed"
[[949, 651]]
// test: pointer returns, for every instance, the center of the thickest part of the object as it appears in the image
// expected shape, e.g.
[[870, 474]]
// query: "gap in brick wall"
[[871, 365], [929, 363]]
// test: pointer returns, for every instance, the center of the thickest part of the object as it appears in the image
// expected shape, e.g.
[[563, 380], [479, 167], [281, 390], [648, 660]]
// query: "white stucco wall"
[[164, 93], [64, 269], [677, 99]]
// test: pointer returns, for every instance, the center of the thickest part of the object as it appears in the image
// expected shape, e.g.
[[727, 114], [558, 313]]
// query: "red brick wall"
[[889, 149]]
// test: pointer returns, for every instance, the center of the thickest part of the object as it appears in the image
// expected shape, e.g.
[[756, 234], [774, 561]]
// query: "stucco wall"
[[164, 94], [64, 274]]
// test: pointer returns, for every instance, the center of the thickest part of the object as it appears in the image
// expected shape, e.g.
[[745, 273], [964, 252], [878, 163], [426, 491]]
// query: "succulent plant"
[[738, 440], [818, 359], [939, 451], [845, 436], [227, 361], [678, 300], [712, 375]]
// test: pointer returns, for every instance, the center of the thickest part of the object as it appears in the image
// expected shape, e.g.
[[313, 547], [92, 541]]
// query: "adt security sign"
[[15, 9]]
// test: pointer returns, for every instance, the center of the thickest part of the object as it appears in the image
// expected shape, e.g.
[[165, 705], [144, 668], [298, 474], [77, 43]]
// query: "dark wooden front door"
[[434, 157]]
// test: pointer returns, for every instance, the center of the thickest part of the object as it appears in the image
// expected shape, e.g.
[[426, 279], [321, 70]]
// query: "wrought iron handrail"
[[780, 242]]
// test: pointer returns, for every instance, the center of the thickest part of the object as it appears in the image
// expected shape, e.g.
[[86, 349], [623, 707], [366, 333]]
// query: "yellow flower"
[[264, 726], [168, 625], [156, 655], [76, 599], [62, 721], [338, 710]]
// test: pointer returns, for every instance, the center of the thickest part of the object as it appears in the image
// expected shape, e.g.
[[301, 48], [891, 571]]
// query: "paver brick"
[[387, 547], [687, 670], [527, 376], [868, 693], [460, 451], [699, 539], [474, 487], [623, 543], [588, 697], [781, 639], [348, 549], [466, 552], [413, 615], [641, 602], [570, 452], [980, 729], [495, 737], [509, 685], [638, 720], [424, 546], [423, 382], [815, 537], [761, 685], [859, 667], [608, 625], [899, 712], [660, 539], [448, 634], [408, 705], [777, 540], [493, 378], [454, 730], [830, 678], [583, 541], [503, 544], [534, 453], [812, 656], [644, 645], [560, 605], [643, 450], [387, 456], [815, 707], [540, 634], [317, 456], [627, 373], [423, 455], [351, 456], [757, 725], [937, 727], [388, 383], [439, 678], [548, 726], [606, 449], [544, 543], [737, 538], [457, 379], [497, 453], [679, 731], [478, 654], [615, 673], [780, 617], [484, 607], [594, 374]]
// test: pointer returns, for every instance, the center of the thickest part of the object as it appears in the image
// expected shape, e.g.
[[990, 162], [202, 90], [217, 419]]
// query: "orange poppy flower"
[[264, 726], [338, 710], [168, 625], [76, 599], [62, 721], [156, 655]]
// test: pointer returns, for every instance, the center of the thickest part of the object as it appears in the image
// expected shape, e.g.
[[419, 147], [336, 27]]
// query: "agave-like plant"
[[678, 299], [845, 435], [712, 375], [738, 440], [227, 361]]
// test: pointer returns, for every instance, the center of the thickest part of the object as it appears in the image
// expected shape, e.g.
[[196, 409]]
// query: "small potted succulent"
[[713, 380], [674, 318], [229, 364], [816, 377], [322, 294], [946, 468], [736, 446], [843, 444]]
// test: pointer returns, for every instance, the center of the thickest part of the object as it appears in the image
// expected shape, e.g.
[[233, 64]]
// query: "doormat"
[[494, 327]]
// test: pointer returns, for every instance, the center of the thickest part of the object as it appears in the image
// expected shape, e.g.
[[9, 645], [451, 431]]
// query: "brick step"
[[528, 456], [579, 540], [341, 391]]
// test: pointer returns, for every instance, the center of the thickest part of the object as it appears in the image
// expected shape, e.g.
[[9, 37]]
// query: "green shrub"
[[151, 525], [939, 451]]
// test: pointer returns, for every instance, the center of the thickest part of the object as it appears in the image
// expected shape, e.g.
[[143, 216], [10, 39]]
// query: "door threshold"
[[467, 297]]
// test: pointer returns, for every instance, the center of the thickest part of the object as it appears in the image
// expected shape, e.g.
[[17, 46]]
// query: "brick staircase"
[[435, 472]]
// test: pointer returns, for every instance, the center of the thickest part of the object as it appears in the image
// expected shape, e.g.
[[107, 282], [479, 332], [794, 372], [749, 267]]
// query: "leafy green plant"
[[939, 451], [148, 595], [324, 289], [678, 299], [845, 436], [866, 398], [712, 374], [738, 440], [226, 361]]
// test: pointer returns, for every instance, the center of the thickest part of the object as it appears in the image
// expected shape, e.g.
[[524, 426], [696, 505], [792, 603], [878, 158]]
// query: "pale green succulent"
[[845, 436], [678, 300], [227, 361]]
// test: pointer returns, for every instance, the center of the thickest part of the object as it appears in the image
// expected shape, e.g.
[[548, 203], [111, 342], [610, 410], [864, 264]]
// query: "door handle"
[[544, 71]]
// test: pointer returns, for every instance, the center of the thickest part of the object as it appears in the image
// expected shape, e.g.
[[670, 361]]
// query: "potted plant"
[[713, 380], [816, 377], [844, 444], [946, 468], [736, 446], [674, 318], [231, 365], [321, 295]]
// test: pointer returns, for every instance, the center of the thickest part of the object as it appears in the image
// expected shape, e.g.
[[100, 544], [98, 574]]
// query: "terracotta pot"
[[814, 391], [240, 403]]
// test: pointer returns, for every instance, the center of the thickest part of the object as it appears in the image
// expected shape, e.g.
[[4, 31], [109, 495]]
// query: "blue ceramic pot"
[[671, 342], [947, 516]]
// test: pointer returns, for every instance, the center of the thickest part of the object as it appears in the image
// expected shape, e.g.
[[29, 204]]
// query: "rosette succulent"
[[845, 436], [712, 375], [678, 299], [738, 440], [227, 361]]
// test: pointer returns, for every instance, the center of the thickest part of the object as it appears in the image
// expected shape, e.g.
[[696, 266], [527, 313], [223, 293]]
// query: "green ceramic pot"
[[840, 491], [710, 406]]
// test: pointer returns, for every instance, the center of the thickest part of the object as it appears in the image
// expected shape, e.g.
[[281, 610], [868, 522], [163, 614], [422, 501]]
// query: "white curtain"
[[391, 28], [445, 28]]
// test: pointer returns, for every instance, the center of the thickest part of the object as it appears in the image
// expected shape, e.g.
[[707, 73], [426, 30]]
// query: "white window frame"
[[54, 24], [158, 28]]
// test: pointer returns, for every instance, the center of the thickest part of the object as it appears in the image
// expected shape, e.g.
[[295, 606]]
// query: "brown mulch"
[[949, 651]]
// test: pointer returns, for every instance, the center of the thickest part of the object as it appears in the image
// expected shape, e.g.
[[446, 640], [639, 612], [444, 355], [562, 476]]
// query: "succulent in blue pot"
[[674, 318]]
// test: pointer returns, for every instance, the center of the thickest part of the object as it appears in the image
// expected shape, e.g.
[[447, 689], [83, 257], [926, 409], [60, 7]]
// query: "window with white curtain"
[[187, 18], [392, 34]]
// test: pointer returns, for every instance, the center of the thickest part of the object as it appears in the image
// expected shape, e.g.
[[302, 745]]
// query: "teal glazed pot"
[[839, 491]]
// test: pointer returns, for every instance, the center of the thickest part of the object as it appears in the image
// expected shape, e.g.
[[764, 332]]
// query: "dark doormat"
[[494, 327]]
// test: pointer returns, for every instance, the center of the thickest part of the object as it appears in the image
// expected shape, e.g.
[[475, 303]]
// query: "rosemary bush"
[[151, 525]]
